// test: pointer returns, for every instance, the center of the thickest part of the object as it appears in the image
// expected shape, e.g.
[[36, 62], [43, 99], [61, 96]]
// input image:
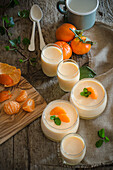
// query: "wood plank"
[[6, 155], [11, 124]]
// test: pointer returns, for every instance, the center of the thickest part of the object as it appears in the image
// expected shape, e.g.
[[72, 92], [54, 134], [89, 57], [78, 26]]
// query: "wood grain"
[[11, 124]]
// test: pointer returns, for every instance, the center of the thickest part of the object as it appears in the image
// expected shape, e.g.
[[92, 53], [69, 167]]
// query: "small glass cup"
[[50, 57], [85, 111], [73, 158], [68, 80], [57, 133]]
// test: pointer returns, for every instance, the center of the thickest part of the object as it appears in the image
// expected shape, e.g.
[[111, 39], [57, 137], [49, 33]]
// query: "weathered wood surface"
[[25, 151]]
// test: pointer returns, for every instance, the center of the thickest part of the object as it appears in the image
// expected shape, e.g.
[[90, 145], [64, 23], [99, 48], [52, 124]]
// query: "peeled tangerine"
[[5, 95], [22, 96], [29, 105], [11, 107], [9, 75]]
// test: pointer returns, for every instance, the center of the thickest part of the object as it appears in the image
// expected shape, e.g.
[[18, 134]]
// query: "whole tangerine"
[[78, 47], [63, 33], [67, 51]]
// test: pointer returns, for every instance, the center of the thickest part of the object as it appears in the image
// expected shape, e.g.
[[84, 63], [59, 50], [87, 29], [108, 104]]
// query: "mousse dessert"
[[50, 57], [59, 118], [89, 97], [68, 74], [72, 149]]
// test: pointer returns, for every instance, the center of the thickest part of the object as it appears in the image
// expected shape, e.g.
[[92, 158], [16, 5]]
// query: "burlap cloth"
[[102, 62]]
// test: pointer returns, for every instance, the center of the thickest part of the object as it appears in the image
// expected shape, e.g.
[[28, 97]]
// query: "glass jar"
[[68, 74]]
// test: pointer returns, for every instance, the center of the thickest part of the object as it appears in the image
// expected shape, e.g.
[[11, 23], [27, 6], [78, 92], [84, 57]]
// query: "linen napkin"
[[101, 59]]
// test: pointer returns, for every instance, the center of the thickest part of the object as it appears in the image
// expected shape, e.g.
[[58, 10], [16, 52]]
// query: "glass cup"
[[72, 149], [68, 74], [54, 132], [50, 57], [88, 111]]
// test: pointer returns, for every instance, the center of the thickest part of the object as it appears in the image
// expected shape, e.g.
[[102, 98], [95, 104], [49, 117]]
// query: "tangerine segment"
[[14, 73], [57, 111], [11, 107], [5, 79], [22, 96], [93, 94], [64, 118], [29, 105], [4, 95]]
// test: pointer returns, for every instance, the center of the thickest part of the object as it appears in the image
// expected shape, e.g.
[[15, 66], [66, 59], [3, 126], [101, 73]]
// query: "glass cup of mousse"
[[56, 132], [50, 57], [89, 107], [72, 149], [68, 74]]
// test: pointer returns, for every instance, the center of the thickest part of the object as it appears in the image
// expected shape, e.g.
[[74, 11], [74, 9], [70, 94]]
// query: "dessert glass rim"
[[75, 135], [51, 44], [82, 13], [61, 101], [72, 93], [68, 75]]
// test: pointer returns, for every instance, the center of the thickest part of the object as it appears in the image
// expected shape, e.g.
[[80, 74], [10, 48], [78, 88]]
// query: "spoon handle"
[[42, 43], [31, 47]]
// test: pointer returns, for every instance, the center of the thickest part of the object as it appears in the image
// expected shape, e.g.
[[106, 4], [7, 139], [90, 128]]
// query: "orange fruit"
[[11, 107], [67, 51], [64, 118], [22, 96], [93, 94], [29, 105], [4, 95], [57, 111], [11, 73], [63, 33], [5, 79], [79, 47]]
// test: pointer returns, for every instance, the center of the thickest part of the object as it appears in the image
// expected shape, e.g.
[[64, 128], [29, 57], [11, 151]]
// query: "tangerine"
[[22, 96], [64, 118], [11, 107], [63, 33], [67, 51], [4, 95], [79, 47], [12, 74], [57, 110], [29, 105], [93, 94]]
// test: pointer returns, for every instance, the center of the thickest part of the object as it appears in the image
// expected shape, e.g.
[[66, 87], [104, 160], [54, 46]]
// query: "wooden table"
[[24, 151]]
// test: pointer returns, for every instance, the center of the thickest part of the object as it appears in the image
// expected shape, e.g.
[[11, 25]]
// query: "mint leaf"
[[12, 42], [11, 22], [7, 48], [86, 72], [106, 139], [13, 3], [26, 41], [33, 59], [23, 14], [57, 121], [5, 18], [99, 143], [2, 30], [82, 94], [52, 117], [21, 61], [101, 133]]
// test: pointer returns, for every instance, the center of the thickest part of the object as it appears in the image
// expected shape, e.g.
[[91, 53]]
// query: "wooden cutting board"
[[11, 124]]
